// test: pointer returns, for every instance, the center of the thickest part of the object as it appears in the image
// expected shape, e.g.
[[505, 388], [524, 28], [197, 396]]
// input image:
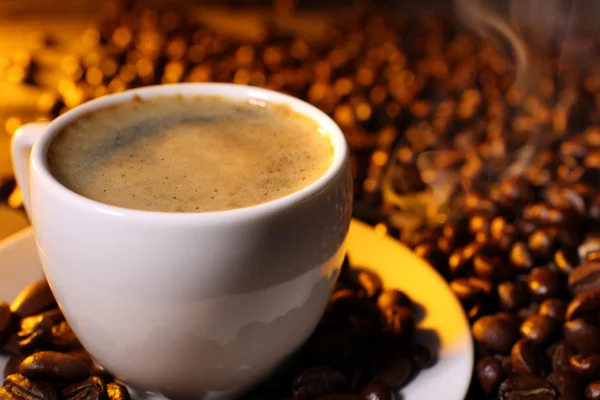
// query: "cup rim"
[[340, 150]]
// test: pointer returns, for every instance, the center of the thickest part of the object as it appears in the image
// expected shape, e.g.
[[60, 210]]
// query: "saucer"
[[443, 322]]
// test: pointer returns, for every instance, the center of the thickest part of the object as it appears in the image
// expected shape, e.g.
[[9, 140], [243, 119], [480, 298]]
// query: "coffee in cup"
[[190, 153]]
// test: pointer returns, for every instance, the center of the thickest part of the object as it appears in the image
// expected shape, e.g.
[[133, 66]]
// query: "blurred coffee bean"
[[585, 277], [538, 328], [393, 297], [525, 358], [101, 373], [543, 282], [422, 356], [34, 299], [116, 391], [587, 367], [92, 388], [479, 224], [561, 357], [50, 365], [566, 383], [512, 295], [35, 331], [82, 356], [592, 391], [398, 321], [63, 337], [526, 387], [582, 336], [502, 233], [489, 373], [564, 198], [555, 309], [495, 334], [462, 259], [520, 257], [583, 304], [490, 267], [471, 290], [565, 260], [370, 282], [376, 391], [18, 387], [542, 242], [397, 372]]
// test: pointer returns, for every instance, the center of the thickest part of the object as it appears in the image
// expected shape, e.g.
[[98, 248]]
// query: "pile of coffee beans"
[[440, 108], [365, 348], [47, 361]]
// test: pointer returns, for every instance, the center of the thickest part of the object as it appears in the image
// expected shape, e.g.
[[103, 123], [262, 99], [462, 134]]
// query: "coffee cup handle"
[[21, 145]]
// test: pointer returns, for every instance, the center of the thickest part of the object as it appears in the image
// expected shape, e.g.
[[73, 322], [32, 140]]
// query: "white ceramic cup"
[[192, 305]]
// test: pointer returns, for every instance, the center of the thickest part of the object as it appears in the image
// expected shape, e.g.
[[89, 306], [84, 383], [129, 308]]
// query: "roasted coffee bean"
[[511, 318], [6, 319], [526, 387], [587, 367], [101, 373], [543, 282], [34, 331], [397, 372], [370, 282], [513, 295], [495, 334], [92, 388], [529, 310], [554, 308], [393, 297], [430, 253], [491, 268], [565, 261], [584, 304], [461, 260], [538, 328], [33, 300], [398, 321], [564, 198], [82, 356], [376, 391], [502, 233], [542, 242], [330, 345], [525, 358], [471, 290], [63, 337], [567, 384], [592, 391], [520, 257], [561, 356], [585, 277], [582, 336], [12, 366], [422, 357], [116, 391], [479, 224], [18, 387], [318, 381], [489, 372], [589, 246], [543, 214], [50, 365]]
